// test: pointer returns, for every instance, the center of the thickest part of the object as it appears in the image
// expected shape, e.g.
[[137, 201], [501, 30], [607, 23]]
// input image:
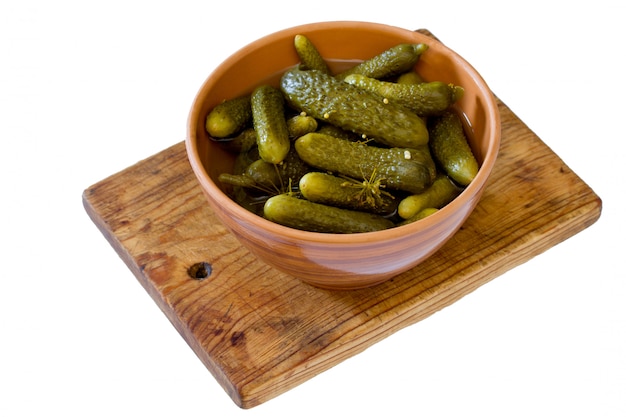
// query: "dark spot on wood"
[[237, 338], [200, 270]]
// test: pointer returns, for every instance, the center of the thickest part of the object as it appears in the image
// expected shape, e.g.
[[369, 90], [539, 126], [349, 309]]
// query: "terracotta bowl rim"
[[288, 233]]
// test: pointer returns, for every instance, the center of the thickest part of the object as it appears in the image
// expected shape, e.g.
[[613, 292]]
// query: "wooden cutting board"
[[261, 332]]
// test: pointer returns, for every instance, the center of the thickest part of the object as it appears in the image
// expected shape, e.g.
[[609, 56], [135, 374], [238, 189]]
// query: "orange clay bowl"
[[326, 260]]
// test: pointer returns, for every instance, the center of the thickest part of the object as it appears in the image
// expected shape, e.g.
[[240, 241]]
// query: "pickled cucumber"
[[365, 195], [440, 193], [451, 149], [314, 217], [425, 99], [265, 175], [278, 177], [410, 77], [229, 117], [237, 180], [419, 215], [399, 168], [268, 118], [301, 124], [310, 57], [352, 108], [393, 61]]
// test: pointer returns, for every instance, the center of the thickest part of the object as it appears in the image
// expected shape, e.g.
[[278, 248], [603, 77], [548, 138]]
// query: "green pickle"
[[450, 148], [425, 99], [352, 108], [410, 77], [419, 215], [331, 190], [300, 125], [302, 214], [400, 168], [264, 175], [229, 117], [440, 193], [310, 57], [391, 62], [268, 118], [279, 177], [237, 180]]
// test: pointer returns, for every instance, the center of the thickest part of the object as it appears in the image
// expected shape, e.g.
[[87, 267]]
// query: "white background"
[[90, 88]]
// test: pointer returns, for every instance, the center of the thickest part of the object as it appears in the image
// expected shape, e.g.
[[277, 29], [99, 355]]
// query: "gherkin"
[[425, 99], [393, 61], [354, 109], [451, 149], [401, 168], [268, 118]]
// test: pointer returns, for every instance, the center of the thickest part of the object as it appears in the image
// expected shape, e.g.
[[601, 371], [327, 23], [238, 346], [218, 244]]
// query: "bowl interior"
[[342, 44]]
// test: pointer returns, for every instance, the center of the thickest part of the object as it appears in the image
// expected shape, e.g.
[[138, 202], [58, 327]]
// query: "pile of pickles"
[[361, 150]]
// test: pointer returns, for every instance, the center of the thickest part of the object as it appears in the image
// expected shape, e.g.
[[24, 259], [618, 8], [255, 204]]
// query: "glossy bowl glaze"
[[339, 261]]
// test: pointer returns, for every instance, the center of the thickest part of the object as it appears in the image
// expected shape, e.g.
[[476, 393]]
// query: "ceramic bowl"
[[339, 261]]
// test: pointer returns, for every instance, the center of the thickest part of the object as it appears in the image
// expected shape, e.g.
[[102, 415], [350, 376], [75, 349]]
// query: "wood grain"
[[261, 332]]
